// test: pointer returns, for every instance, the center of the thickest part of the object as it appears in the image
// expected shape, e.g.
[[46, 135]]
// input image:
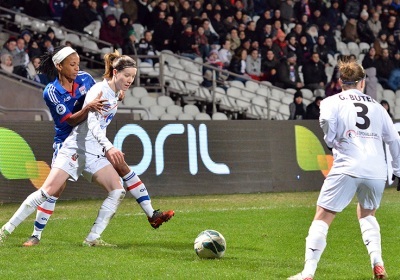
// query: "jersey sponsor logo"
[[60, 108], [351, 134]]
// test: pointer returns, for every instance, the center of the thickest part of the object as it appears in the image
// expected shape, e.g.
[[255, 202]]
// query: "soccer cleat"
[[300, 277], [3, 235], [159, 217], [32, 241], [379, 272], [97, 243]]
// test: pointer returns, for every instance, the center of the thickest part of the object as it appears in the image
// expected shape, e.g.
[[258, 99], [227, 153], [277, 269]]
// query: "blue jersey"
[[63, 104]]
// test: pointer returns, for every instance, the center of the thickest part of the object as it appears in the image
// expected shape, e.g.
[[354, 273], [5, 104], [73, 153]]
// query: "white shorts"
[[76, 163], [339, 189]]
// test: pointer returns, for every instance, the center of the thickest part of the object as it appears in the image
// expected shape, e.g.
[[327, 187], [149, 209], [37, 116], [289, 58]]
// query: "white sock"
[[27, 208], [371, 236], [136, 187], [43, 214], [106, 212], [315, 246]]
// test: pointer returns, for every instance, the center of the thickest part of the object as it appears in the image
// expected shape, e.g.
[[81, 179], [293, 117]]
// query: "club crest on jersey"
[[351, 134], [83, 90], [74, 157], [68, 98], [60, 108]]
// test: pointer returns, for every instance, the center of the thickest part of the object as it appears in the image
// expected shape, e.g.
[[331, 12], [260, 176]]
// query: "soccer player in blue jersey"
[[65, 97]]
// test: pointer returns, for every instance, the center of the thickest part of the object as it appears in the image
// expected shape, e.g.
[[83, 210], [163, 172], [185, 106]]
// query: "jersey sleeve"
[[327, 121], [391, 137]]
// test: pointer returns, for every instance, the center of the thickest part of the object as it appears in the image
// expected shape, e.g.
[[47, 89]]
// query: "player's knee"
[[117, 194], [122, 169]]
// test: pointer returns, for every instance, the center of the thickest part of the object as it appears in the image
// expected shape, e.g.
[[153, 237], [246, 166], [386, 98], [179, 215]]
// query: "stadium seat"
[[202, 117], [260, 106], [139, 92], [157, 111], [185, 117], [167, 117], [219, 116], [147, 101], [190, 109], [174, 110], [130, 101], [165, 101]]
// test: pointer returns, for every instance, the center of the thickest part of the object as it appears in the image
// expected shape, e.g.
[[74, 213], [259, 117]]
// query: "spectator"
[[264, 19], [238, 66], [143, 13], [114, 8], [129, 46], [292, 43], [386, 105], [20, 58], [302, 8], [317, 18], [312, 110], [269, 67], [375, 24], [392, 45], [314, 73], [32, 69], [111, 32], [131, 8], [330, 40], [234, 39], [304, 50], [187, 46], [218, 25], [229, 23], [322, 49], [47, 46], [52, 36], [212, 36], [381, 42], [253, 65], [251, 31], [352, 8], [297, 108], [287, 11], [335, 16], [74, 17], [370, 59], [164, 34], [9, 46], [34, 49], [93, 18], [198, 9], [146, 47], [288, 73], [186, 10], [27, 35], [7, 63], [349, 32], [363, 30], [312, 35], [281, 43], [384, 67], [224, 53], [57, 8], [203, 48], [125, 26], [179, 27], [265, 33], [214, 61]]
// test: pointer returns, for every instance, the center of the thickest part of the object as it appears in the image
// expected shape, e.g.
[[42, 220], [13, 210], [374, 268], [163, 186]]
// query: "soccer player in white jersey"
[[65, 97], [87, 151], [354, 126]]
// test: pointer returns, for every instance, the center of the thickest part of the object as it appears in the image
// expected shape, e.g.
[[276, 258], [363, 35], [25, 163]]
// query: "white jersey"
[[355, 126], [90, 135]]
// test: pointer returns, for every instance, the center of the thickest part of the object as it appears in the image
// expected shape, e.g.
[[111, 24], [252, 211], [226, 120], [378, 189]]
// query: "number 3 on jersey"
[[362, 115]]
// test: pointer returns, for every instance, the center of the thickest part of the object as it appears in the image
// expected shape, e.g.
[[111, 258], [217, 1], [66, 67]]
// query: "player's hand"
[[97, 103], [115, 156], [398, 181], [121, 95]]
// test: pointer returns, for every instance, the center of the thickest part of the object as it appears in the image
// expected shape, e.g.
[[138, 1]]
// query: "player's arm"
[[327, 122], [392, 139], [95, 105]]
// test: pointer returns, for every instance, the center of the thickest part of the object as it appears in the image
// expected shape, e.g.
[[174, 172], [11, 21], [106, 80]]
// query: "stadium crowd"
[[271, 40]]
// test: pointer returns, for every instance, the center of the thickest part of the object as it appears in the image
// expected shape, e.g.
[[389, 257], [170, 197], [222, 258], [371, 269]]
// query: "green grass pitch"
[[265, 235]]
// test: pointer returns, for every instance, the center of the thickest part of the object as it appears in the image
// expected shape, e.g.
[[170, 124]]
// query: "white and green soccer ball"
[[210, 244]]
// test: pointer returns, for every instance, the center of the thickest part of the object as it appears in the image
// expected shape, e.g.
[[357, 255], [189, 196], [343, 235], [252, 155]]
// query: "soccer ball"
[[210, 244]]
